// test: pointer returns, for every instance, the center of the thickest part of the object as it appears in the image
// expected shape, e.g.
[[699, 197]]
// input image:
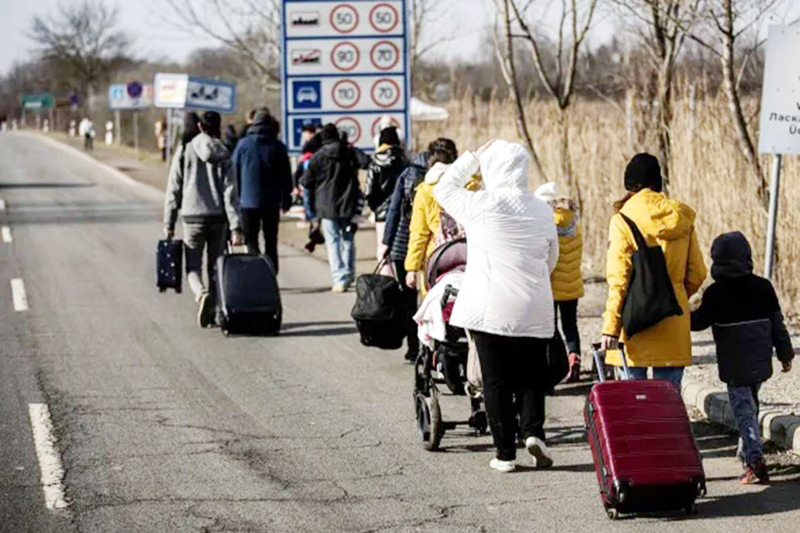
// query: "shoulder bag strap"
[[641, 244]]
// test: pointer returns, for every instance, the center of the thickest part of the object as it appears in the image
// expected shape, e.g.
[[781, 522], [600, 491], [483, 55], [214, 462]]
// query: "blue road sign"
[[307, 94], [297, 127], [135, 89], [345, 63]]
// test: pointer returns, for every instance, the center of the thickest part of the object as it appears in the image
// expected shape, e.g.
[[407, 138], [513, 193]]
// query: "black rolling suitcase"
[[169, 265], [249, 298]]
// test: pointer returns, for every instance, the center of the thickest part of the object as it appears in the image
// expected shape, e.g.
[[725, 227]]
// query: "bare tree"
[[248, 27], [83, 41], [423, 12], [504, 48], [663, 26], [558, 77], [728, 23]]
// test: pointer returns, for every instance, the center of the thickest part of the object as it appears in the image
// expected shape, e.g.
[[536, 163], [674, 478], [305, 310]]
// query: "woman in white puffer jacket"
[[506, 301]]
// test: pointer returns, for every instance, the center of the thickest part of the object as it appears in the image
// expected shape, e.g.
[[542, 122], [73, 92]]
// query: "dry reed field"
[[708, 171]]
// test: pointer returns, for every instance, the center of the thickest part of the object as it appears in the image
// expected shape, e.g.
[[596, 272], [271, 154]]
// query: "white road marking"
[[18, 295], [50, 467], [2, 205], [6, 231]]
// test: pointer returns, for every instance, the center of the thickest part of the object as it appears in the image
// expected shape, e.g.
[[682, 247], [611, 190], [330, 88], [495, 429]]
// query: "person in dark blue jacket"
[[264, 179]]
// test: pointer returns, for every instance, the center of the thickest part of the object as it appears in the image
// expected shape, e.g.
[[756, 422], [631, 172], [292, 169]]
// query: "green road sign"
[[38, 101]]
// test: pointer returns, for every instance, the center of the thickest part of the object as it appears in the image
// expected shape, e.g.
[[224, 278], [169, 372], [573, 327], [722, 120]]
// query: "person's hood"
[[732, 256], [504, 165], [435, 173], [262, 129], [209, 149], [420, 160], [547, 192], [656, 214]]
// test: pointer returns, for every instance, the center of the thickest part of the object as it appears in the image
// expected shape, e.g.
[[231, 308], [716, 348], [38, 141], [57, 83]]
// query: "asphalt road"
[[162, 426]]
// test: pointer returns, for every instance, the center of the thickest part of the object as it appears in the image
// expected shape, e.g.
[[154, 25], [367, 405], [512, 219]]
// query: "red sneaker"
[[755, 474]]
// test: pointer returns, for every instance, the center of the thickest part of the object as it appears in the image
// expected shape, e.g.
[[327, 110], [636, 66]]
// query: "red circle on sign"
[[355, 87], [378, 120], [372, 18], [339, 9], [350, 122], [338, 48], [396, 92], [396, 55]]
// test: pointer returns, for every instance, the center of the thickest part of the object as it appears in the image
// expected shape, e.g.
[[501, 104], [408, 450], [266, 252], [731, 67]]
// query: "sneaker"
[[339, 288], [755, 474], [203, 308], [538, 450], [574, 368], [503, 466]]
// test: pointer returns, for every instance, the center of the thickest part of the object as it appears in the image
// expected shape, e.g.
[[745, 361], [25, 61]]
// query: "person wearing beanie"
[[666, 346], [335, 197], [747, 321], [386, 166], [566, 279], [264, 177], [201, 188]]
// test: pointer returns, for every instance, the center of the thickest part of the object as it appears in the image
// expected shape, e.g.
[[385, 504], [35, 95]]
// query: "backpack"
[[651, 296]]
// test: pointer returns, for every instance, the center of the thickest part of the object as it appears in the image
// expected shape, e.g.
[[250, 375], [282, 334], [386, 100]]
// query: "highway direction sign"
[[345, 63], [38, 101], [192, 92]]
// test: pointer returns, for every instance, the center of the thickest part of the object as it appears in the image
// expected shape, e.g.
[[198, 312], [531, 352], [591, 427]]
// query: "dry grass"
[[708, 170]]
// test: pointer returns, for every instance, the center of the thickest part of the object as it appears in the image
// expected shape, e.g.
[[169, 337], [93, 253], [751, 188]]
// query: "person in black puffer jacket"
[[335, 197], [746, 317], [386, 166]]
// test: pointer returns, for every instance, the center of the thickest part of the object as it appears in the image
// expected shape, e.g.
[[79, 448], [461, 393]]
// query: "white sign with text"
[[780, 98]]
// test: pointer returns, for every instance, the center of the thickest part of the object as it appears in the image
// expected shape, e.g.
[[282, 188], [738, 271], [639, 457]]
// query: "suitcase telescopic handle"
[[599, 362]]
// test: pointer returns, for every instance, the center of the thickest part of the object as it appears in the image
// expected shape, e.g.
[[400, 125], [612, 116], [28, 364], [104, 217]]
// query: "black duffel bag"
[[651, 296], [557, 360], [378, 311]]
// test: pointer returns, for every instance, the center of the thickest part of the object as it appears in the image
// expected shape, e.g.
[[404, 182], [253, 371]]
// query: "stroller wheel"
[[430, 428], [479, 422]]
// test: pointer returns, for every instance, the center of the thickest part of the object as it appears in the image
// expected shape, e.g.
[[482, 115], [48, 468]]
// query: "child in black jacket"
[[747, 323]]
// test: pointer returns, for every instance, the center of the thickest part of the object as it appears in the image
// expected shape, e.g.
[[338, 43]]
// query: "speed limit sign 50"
[[344, 18], [384, 18]]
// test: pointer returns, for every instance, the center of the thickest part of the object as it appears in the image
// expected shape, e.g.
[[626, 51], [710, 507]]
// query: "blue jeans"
[[673, 374], [310, 214], [744, 403], [340, 239]]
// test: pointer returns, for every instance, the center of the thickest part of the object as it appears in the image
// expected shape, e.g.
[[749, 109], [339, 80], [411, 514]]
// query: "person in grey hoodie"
[[202, 189]]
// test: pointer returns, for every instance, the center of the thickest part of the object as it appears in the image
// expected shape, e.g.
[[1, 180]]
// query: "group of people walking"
[[524, 266]]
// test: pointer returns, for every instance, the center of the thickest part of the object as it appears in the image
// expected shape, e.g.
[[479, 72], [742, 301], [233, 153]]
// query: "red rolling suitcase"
[[644, 451]]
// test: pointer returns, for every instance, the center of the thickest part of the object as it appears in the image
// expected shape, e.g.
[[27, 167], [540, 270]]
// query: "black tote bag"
[[651, 297]]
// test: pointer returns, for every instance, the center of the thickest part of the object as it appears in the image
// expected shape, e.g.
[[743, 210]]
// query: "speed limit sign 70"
[[385, 93], [385, 55]]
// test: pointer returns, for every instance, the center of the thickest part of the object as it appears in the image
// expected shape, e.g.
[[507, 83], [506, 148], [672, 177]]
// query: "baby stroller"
[[446, 361]]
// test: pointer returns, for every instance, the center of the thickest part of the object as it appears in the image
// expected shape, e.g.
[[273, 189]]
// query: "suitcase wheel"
[[178, 290], [613, 514], [691, 509], [162, 289]]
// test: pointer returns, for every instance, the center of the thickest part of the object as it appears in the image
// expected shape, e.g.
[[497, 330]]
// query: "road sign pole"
[[136, 130], [774, 196], [169, 136], [118, 126]]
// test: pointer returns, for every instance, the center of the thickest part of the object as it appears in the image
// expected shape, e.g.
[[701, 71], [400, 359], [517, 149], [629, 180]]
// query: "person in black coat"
[[335, 198], [747, 321], [386, 166], [263, 176]]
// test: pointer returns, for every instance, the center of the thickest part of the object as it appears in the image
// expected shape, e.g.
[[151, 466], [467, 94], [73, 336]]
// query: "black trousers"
[[569, 324], [254, 221], [513, 368], [409, 307]]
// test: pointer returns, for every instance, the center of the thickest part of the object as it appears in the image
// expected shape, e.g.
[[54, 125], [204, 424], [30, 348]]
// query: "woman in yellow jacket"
[[566, 279], [425, 231], [666, 346]]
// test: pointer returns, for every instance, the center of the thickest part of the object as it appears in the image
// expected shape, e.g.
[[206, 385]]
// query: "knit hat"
[[329, 134], [389, 136], [547, 192], [643, 172]]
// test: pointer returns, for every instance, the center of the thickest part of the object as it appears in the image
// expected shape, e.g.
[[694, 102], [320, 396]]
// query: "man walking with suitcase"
[[201, 187], [263, 176]]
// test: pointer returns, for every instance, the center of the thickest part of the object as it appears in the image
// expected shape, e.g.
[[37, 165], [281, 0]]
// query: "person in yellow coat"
[[567, 279], [667, 346], [426, 232]]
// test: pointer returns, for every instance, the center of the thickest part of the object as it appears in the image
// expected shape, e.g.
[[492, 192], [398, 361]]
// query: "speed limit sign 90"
[[384, 18], [344, 18], [345, 56]]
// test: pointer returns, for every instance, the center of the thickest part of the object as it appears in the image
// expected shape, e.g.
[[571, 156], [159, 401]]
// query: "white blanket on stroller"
[[430, 322]]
